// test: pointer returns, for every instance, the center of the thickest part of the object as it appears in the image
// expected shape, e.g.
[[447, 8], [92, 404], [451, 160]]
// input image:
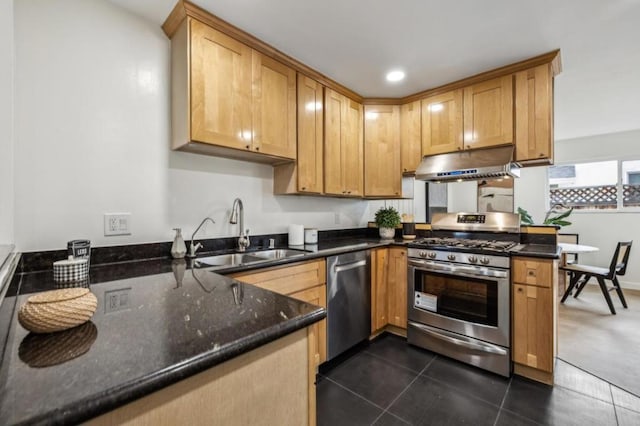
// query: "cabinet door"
[[410, 137], [310, 134], [534, 115], [397, 286], [220, 89], [533, 326], [488, 113], [379, 303], [318, 340], [352, 163], [334, 105], [442, 123], [382, 177], [274, 107]]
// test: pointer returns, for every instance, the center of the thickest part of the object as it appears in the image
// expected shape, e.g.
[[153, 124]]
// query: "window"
[[597, 185]]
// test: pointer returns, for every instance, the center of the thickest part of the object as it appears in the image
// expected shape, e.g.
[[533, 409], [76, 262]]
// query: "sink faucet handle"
[[193, 249]]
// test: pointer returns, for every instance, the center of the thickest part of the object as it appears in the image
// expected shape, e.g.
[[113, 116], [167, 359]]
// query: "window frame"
[[620, 208]]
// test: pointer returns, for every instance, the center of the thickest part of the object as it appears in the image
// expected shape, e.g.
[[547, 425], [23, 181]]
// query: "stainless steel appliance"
[[459, 288], [473, 164], [348, 301]]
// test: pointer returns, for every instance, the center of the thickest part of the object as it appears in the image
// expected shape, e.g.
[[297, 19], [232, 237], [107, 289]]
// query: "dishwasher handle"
[[348, 266]]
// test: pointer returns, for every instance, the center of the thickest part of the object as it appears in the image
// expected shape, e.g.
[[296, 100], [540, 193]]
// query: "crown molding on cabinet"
[[185, 8]]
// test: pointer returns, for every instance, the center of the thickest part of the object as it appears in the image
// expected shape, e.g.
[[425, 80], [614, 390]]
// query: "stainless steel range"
[[459, 288]]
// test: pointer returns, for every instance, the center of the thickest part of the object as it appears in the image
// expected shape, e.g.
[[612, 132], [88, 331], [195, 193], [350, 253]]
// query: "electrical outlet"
[[117, 300], [117, 224], [336, 218]]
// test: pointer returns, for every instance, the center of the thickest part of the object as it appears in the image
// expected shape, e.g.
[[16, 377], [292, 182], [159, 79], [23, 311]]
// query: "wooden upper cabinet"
[[228, 99], [305, 176], [274, 107], [352, 150], [442, 123], [310, 134], [343, 151], [220, 88], [534, 115], [488, 113], [382, 175], [410, 137]]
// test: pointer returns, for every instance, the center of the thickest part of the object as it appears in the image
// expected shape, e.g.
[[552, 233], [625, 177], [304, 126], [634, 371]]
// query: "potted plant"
[[387, 219]]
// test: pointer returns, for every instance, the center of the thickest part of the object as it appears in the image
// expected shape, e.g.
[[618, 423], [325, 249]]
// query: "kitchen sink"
[[278, 253], [234, 259], [238, 259]]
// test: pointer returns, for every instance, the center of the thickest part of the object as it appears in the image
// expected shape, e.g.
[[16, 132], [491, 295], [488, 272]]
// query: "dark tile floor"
[[388, 382]]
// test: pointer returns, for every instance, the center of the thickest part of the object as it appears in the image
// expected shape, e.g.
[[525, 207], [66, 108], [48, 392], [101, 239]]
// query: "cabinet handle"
[[248, 146], [348, 192], [459, 148], [304, 188], [396, 192], [532, 273], [541, 154], [257, 148], [520, 290]]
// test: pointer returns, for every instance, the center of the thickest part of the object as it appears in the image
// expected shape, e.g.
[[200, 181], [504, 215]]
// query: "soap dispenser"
[[178, 248]]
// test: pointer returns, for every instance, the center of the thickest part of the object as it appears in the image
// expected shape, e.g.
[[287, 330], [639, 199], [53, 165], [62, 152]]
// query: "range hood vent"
[[490, 163]]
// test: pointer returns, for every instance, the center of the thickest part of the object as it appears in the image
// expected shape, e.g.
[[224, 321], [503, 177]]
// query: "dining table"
[[567, 248]]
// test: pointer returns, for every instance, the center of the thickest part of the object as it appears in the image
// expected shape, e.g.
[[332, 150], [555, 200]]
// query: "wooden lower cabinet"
[[270, 385], [379, 273], [397, 286], [304, 281], [534, 321], [388, 288]]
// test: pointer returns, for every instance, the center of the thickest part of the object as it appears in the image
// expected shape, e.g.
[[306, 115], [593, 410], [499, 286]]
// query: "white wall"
[[6, 122], [92, 136], [605, 229]]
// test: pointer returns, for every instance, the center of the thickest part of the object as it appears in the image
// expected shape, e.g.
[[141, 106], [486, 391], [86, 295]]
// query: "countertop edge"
[[93, 406]]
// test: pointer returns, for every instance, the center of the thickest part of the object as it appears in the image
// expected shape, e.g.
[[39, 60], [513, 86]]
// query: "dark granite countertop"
[[548, 251], [178, 320], [152, 328]]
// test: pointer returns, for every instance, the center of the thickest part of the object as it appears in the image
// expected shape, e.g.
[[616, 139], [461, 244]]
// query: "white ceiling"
[[355, 42]]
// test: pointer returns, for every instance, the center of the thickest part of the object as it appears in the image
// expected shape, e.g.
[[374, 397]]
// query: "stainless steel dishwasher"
[[348, 301]]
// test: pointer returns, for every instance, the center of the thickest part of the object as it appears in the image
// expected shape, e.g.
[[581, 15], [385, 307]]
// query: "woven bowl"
[[57, 310]]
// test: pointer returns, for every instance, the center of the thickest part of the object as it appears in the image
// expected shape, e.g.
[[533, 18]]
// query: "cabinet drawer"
[[533, 272], [287, 279]]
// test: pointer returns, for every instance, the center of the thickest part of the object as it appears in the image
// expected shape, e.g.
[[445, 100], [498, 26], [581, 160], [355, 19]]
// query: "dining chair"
[[569, 239], [580, 275]]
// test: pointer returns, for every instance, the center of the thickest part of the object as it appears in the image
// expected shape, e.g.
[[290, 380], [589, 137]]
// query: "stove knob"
[[484, 260], [422, 254], [451, 257], [473, 259], [432, 255]]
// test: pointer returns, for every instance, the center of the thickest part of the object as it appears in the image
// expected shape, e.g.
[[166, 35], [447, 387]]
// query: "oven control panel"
[[425, 301]]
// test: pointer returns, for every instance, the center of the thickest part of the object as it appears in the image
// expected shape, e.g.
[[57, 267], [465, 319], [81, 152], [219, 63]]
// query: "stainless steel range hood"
[[477, 164]]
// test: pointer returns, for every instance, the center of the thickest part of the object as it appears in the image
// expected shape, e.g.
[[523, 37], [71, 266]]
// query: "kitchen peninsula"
[[187, 345]]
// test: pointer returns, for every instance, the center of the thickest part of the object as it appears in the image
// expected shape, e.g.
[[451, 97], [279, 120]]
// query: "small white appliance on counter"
[[311, 236], [296, 235]]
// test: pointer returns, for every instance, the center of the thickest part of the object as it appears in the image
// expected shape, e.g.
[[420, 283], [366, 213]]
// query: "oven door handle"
[[468, 270], [459, 340]]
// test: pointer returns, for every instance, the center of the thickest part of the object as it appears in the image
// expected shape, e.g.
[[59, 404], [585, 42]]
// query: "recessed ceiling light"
[[394, 76]]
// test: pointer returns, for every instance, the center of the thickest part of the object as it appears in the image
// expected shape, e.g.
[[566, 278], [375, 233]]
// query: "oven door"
[[470, 300]]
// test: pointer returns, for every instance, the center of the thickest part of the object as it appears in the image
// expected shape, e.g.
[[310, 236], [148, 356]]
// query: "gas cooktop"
[[467, 244]]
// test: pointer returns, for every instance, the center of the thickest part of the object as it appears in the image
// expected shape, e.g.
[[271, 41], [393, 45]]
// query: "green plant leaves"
[[525, 217], [387, 217]]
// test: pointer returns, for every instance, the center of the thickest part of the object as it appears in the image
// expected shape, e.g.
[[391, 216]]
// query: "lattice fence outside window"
[[630, 195], [599, 197]]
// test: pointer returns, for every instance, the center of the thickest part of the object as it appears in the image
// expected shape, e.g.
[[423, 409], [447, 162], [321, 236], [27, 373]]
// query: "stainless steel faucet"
[[238, 210], [194, 248]]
